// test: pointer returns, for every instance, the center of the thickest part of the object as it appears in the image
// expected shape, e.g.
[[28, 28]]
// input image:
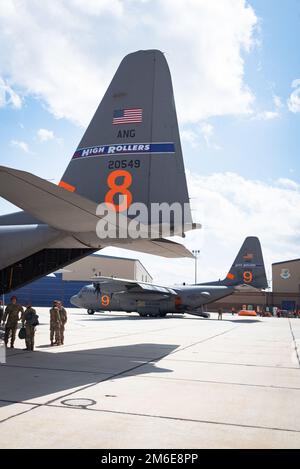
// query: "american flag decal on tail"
[[127, 116], [248, 256]]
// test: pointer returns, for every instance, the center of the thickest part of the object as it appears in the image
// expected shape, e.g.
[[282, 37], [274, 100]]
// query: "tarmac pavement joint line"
[[233, 364], [167, 417], [294, 342], [20, 413], [229, 383]]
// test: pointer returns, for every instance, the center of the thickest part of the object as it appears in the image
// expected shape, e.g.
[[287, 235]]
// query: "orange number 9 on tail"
[[247, 276]]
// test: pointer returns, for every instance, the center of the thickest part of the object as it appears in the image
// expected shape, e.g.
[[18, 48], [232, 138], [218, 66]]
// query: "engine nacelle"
[[18, 242]]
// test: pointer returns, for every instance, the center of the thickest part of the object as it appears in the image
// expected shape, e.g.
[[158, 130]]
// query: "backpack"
[[22, 333], [32, 319]]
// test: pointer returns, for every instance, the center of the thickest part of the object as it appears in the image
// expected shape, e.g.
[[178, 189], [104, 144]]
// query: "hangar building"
[[286, 276], [67, 282], [286, 284]]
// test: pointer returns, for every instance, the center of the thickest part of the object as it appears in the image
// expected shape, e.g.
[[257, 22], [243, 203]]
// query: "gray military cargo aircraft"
[[112, 294], [131, 147]]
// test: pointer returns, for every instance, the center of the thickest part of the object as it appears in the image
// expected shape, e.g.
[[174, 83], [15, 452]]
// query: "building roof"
[[286, 262], [114, 257], [248, 288], [120, 258]]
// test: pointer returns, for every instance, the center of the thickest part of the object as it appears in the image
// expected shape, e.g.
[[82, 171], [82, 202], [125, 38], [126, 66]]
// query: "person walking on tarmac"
[[55, 323], [220, 313], [10, 319], [1, 312], [29, 318], [63, 321]]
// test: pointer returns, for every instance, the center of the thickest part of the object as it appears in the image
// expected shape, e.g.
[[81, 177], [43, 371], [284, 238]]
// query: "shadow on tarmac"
[[107, 317], [28, 376], [239, 321]]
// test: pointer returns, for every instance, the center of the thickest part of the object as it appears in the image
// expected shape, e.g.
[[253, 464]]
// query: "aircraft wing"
[[132, 286]]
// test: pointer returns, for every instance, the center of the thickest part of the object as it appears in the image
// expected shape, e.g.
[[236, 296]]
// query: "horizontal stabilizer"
[[47, 202], [158, 247], [70, 212]]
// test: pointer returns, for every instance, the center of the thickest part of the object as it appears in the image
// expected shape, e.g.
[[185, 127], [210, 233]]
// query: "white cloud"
[[268, 115], [8, 96], [20, 144], [288, 183], [96, 7], [190, 136], [207, 130], [195, 134], [277, 102], [294, 99], [44, 135], [66, 51], [271, 115]]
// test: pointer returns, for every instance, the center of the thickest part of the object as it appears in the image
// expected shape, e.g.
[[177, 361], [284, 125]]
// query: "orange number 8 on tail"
[[119, 189]]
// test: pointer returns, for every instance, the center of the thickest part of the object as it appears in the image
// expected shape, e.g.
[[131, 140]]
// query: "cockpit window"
[[97, 288]]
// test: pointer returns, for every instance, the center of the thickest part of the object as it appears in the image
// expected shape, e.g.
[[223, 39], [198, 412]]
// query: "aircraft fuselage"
[[187, 299]]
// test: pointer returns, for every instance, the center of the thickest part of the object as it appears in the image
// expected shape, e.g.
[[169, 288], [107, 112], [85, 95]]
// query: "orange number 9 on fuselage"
[[119, 189], [105, 300]]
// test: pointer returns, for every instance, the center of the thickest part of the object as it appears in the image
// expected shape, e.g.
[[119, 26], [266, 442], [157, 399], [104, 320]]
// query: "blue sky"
[[235, 115], [253, 147]]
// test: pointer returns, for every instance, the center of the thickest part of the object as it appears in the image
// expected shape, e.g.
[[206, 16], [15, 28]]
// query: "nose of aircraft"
[[74, 300]]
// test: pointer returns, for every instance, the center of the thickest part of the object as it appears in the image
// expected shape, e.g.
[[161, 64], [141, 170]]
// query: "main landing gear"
[[152, 315]]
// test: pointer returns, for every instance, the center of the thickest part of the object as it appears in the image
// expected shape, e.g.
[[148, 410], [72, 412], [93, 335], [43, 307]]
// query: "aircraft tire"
[[90, 311]]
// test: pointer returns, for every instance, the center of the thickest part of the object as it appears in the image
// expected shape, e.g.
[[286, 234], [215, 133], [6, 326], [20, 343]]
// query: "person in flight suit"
[[55, 323], [1, 311], [63, 321], [10, 319], [29, 319]]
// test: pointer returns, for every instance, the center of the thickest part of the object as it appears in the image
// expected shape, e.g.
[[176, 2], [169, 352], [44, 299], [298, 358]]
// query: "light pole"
[[196, 253]]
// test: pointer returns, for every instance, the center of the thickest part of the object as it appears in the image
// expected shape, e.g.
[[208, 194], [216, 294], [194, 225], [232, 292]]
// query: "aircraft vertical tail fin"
[[248, 267], [132, 145]]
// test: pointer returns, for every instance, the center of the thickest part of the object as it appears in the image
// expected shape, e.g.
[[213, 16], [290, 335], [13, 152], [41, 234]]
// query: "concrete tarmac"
[[121, 381]]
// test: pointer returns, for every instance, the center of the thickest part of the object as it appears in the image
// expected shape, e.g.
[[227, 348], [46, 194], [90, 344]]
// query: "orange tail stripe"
[[230, 276], [67, 186]]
